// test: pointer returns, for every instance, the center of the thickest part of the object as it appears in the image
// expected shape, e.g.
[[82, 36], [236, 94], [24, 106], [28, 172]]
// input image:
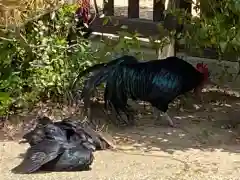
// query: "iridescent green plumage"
[[158, 82]]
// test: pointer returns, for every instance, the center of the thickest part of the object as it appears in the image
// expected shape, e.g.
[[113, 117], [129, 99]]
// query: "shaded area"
[[205, 145], [216, 125]]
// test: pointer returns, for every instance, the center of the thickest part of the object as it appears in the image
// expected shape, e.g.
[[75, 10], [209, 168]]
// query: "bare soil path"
[[203, 147]]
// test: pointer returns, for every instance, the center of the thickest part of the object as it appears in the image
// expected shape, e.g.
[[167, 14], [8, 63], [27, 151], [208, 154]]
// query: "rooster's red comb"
[[203, 68], [201, 65]]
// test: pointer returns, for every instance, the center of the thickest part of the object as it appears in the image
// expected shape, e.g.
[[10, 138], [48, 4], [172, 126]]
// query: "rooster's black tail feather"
[[100, 75]]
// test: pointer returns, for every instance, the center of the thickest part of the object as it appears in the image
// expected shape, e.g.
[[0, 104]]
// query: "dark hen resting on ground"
[[52, 155], [60, 146], [85, 132], [74, 130], [158, 82], [97, 75]]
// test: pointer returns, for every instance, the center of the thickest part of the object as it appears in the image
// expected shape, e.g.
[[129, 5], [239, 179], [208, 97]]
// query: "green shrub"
[[38, 63], [217, 27], [44, 65]]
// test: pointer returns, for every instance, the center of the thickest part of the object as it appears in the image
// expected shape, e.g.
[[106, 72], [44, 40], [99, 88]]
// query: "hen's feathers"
[[73, 158], [51, 155], [68, 130], [45, 129], [84, 132], [62, 145], [39, 155]]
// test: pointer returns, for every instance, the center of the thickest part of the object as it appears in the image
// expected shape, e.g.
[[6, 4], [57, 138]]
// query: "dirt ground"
[[205, 145]]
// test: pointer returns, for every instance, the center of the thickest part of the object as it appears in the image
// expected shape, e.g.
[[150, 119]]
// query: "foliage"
[[218, 27], [119, 45], [45, 66], [129, 42], [216, 30], [17, 11], [37, 63]]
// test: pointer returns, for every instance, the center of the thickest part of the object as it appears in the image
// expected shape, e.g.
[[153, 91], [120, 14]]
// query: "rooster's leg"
[[169, 119], [157, 113]]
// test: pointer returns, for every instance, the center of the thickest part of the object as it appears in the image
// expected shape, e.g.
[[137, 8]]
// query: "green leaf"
[[213, 40], [105, 21], [223, 46], [160, 27], [82, 48], [4, 96], [124, 27], [136, 34]]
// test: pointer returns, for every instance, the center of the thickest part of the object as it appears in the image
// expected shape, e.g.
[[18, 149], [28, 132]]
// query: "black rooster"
[[60, 146], [158, 82], [97, 75]]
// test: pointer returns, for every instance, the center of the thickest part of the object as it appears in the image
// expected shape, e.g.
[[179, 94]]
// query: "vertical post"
[[185, 5], [108, 8], [96, 7], [133, 8], [158, 8], [170, 49]]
